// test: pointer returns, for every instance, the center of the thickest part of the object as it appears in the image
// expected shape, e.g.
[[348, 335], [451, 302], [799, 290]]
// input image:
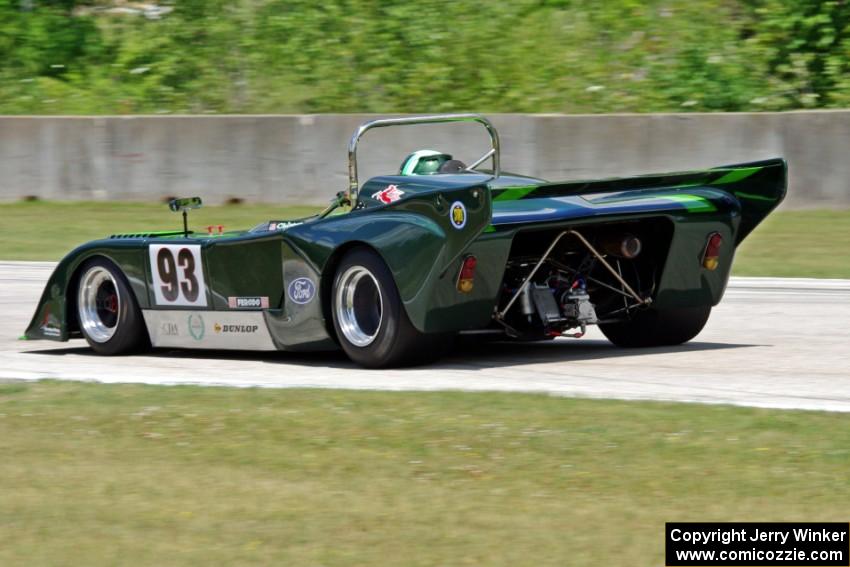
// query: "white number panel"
[[178, 275]]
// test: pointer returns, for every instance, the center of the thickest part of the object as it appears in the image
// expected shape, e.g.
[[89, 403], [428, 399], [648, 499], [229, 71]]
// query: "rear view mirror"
[[178, 205], [182, 206]]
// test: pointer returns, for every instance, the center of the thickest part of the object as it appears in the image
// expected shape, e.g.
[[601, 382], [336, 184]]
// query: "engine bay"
[[557, 282]]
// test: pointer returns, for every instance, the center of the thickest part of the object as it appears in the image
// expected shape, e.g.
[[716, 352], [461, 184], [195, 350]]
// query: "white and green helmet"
[[424, 162]]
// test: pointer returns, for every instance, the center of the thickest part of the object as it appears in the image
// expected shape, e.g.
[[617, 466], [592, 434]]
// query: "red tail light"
[[466, 278], [711, 256]]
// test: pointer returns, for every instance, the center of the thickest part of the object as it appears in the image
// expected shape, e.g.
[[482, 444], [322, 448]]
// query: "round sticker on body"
[[196, 326], [457, 215], [302, 290]]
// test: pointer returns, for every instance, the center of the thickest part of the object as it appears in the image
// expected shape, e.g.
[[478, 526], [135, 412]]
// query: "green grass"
[[798, 244], [143, 475], [788, 243], [48, 230]]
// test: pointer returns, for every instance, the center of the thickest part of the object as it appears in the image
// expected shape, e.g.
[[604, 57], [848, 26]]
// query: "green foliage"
[[805, 45], [434, 55]]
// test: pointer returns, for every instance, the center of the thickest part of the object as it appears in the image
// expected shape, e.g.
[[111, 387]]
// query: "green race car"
[[394, 269]]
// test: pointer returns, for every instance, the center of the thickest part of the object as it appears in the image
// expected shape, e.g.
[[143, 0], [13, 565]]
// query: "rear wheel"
[[370, 320], [658, 327], [109, 316]]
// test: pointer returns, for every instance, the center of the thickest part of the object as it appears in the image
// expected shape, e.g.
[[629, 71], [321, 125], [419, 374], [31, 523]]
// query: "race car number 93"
[[178, 275]]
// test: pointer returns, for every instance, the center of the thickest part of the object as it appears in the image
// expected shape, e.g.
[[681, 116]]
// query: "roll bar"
[[353, 185]]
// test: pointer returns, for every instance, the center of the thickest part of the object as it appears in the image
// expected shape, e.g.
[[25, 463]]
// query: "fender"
[[53, 318], [417, 238]]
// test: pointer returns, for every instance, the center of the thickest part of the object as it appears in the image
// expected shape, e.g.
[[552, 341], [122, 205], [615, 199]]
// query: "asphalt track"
[[781, 343]]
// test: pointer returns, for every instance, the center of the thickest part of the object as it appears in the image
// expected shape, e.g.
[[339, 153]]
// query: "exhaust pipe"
[[626, 246]]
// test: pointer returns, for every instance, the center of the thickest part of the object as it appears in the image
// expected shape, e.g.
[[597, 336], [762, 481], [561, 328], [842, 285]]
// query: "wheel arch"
[[73, 284], [416, 248], [329, 274], [58, 300]]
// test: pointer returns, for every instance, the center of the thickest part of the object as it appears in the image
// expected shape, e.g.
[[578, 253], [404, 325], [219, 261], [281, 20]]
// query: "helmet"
[[424, 162]]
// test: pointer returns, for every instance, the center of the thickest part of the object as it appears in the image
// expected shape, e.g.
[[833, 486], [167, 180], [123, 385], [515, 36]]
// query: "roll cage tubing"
[[353, 185]]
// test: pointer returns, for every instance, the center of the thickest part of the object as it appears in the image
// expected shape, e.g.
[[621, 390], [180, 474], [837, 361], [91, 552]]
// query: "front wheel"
[[107, 311], [658, 327], [370, 320]]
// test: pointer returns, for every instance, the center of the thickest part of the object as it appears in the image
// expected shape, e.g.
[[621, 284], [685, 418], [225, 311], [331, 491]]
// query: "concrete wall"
[[302, 159]]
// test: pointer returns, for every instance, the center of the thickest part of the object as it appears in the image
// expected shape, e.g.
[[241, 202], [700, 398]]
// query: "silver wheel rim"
[[98, 304], [359, 306]]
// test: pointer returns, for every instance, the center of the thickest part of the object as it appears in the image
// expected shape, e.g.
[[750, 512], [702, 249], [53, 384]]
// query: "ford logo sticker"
[[302, 290]]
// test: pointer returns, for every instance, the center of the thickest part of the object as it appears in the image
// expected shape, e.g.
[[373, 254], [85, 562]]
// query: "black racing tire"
[[369, 317], [107, 311], [658, 327]]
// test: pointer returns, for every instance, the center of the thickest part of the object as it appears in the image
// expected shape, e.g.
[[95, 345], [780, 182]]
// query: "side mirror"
[[180, 205]]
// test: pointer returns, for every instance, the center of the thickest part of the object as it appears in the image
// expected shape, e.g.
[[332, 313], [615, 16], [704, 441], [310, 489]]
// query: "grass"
[[788, 243], [812, 244], [144, 475], [42, 230]]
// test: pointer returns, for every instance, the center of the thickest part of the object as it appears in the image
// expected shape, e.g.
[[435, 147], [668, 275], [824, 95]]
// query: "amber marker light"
[[467, 274], [711, 256]]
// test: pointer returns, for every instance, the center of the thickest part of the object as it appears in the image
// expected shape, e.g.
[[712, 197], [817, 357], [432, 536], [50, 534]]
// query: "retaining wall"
[[303, 159]]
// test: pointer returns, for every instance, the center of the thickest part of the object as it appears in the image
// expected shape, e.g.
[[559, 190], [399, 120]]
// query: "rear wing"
[[759, 187]]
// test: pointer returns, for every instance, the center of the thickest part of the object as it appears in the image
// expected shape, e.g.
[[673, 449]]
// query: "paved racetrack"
[[772, 343]]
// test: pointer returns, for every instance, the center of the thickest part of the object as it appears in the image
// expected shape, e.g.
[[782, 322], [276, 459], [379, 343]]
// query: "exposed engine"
[[557, 306], [567, 279]]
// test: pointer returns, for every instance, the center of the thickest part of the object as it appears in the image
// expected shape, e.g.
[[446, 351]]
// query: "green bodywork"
[[418, 241]]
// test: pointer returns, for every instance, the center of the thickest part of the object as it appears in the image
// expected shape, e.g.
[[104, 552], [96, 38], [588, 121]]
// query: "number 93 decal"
[[178, 275]]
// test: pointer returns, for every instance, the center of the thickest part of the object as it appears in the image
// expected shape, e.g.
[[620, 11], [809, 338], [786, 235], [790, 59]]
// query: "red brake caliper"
[[112, 303]]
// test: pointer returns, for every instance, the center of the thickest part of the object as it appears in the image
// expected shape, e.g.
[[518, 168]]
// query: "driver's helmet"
[[424, 162]]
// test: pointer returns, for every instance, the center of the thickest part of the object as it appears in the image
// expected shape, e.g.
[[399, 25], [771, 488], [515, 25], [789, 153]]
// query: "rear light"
[[711, 256], [467, 274]]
